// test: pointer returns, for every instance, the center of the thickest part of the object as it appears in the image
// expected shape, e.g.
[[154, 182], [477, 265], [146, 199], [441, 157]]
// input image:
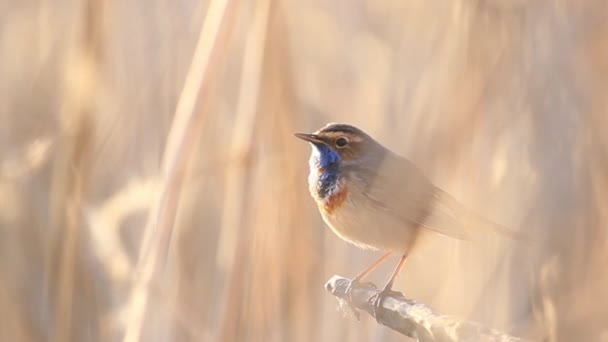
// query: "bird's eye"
[[341, 142]]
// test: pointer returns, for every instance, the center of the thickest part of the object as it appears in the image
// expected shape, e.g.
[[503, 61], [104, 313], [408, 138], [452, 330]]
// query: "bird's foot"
[[377, 299], [349, 295]]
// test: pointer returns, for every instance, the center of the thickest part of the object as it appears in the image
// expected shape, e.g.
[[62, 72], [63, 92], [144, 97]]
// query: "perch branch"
[[414, 319]]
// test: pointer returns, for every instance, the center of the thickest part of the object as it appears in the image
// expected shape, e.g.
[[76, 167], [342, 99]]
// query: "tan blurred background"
[[503, 103]]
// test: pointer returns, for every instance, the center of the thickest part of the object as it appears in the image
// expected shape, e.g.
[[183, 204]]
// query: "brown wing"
[[400, 188]]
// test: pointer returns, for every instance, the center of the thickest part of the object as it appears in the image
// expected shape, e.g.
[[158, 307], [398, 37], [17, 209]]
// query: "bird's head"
[[338, 145]]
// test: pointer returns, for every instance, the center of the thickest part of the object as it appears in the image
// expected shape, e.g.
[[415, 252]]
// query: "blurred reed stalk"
[[234, 232], [185, 131], [291, 246], [262, 220], [72, 169]]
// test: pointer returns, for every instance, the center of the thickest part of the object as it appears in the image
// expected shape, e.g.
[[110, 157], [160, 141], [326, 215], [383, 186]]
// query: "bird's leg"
[[356, 280], [376, 299]]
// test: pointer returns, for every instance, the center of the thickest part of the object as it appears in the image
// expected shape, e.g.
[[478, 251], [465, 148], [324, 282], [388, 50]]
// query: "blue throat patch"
[[329, 161]]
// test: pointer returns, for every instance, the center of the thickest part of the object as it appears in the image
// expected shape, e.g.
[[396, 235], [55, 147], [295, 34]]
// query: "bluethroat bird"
[[378, 200]]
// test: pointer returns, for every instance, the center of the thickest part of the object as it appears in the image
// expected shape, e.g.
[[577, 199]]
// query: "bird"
[[376, 199]]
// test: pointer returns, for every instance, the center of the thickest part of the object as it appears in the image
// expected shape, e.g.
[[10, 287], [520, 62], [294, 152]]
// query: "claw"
[[377, 299], [349, 295]]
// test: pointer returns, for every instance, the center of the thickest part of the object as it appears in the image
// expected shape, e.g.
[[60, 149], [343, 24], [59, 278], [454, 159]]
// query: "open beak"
[[313, 138]]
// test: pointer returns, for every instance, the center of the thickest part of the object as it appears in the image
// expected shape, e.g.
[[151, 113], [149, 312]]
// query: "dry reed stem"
[[76, 172], [294, 235], [233, 225], [72, 171], [185, 130], [414, 319]]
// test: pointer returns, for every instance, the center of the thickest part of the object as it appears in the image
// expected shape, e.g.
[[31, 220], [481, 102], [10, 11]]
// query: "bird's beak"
[[313, 138]]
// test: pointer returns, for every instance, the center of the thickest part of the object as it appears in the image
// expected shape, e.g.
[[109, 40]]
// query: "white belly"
[[359, 221]]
